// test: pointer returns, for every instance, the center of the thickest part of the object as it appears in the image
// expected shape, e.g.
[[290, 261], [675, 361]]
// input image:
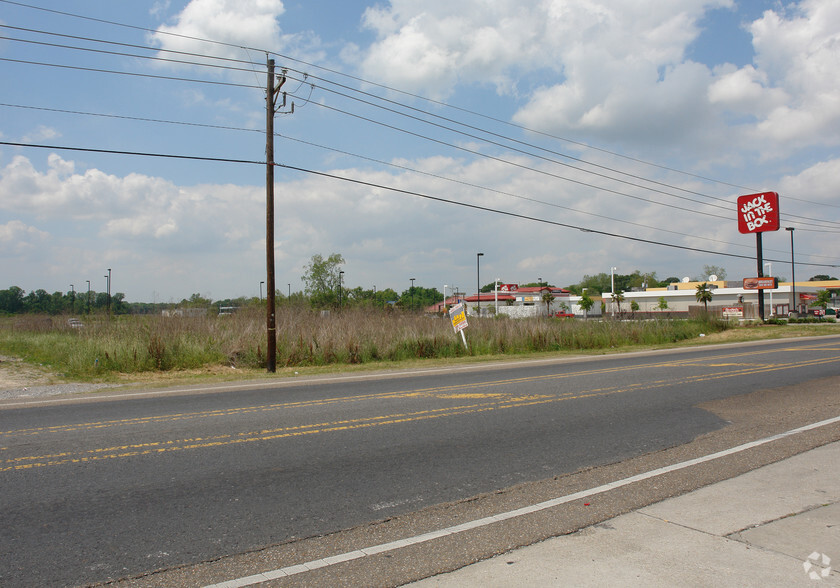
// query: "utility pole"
[[270, 98], [271, 95]]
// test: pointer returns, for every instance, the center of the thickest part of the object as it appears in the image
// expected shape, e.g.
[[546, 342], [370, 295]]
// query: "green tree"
[[713, 270], [586, 304], [195, 300], [12, 300], [663, 303], [320, 279], [823, 299], [704, 295], [634, 306]]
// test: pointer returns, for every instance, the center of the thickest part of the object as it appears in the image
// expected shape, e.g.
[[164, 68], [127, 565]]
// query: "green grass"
[[106, 349]]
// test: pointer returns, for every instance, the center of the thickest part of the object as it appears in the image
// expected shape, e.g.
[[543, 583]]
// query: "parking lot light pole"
[[793, 305], [478, 283]]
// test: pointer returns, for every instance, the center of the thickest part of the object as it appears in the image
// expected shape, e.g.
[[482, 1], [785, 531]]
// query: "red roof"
[[489, 297]]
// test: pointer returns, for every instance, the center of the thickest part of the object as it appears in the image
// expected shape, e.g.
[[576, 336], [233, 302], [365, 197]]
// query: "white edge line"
[[483, 522]]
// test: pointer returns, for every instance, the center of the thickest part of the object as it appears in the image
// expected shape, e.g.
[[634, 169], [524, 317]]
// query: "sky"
[[560, 138]]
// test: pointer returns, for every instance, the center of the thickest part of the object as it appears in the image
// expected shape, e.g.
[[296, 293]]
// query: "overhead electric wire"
[[418, 135], [531, 218], [136, 153], [131, 45], [123, 54], [129, 73], [407, 192], [440, 103], [134, 118], [396, 90], [403, 167], [403, 114], [529, 154]]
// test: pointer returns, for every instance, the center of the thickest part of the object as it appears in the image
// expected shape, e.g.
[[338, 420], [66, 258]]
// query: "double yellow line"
[[484, 401]]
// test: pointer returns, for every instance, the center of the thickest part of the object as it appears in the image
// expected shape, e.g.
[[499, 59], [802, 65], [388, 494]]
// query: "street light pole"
[[340, 276], [412, 292], [612, 287], [88, 297], [793, 305], [478, 283], [443, 307], [109, 293], [261, 285], [770, 271], [72, 300]]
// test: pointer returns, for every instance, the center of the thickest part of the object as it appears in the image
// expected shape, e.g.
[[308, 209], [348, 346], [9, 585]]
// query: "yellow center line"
[[495, 402], [437, 391]]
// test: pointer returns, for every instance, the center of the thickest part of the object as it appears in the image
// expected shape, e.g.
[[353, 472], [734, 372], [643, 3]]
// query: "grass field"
[[142, 347]]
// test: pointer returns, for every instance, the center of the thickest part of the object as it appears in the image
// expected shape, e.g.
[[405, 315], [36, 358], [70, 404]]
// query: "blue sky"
[[645, 120]]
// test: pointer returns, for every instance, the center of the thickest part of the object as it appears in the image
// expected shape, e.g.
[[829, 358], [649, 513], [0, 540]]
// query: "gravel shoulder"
[[19, 379]]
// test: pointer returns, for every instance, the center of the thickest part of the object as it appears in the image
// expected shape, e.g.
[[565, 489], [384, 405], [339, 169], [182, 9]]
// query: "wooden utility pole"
[[271, 345]]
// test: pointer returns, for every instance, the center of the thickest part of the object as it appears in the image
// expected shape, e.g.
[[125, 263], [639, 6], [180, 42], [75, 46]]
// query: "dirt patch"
[[16, 373]]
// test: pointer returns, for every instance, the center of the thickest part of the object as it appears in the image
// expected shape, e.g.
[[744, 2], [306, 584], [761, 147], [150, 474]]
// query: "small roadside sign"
[[458, 316]]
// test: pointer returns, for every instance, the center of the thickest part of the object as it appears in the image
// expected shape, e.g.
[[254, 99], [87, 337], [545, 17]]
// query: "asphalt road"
[[98, 490]]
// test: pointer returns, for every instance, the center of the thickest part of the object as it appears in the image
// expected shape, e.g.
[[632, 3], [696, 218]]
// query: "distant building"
[[728, 298]]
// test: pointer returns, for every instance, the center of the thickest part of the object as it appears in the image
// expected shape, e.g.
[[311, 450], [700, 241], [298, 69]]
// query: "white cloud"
[[251, 23], [18, 238], [618, 70], [42, 133], [234, 24]]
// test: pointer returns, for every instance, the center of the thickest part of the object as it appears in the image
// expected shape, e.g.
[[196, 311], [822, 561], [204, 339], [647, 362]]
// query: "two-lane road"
[[106, 489]]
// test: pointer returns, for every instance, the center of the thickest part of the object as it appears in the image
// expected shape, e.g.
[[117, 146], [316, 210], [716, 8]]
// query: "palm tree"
[[548, 298], [618, 298], [704, 295]]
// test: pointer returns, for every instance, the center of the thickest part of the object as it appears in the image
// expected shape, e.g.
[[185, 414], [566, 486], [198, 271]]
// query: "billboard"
[[758, 213]]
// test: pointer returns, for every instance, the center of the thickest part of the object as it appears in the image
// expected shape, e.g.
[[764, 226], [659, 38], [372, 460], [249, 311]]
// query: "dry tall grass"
[[131, 344]]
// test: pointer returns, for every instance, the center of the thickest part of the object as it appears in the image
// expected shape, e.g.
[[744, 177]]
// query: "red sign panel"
[[758, 212], [761, 283]]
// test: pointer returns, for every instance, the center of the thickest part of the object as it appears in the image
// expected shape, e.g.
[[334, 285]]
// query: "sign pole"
[[758, 213], [760, 260]]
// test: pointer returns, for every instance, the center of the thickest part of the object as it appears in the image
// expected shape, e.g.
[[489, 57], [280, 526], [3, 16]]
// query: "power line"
[[515, 149], [579, 182], [440, 103], [131, 45], [407, 192], [128, 73], [123, 54], [135, 153], [403, 167], [531, 218]]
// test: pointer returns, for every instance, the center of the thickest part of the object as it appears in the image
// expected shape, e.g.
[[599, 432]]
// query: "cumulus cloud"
[[18, 238], [251, 23], [618, 70], [234, 24], [42, 133]]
